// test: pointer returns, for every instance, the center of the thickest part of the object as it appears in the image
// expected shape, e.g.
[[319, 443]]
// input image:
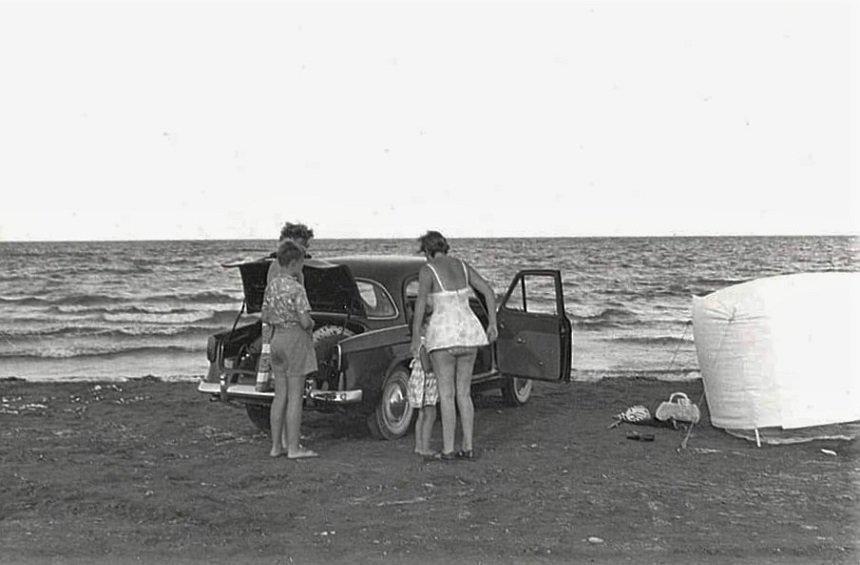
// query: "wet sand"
[[152, 472]]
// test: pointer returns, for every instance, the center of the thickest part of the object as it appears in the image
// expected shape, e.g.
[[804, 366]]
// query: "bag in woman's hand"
[[421, 388]]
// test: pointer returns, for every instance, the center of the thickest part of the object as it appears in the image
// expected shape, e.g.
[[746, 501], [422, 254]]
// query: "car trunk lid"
[[330, 287]]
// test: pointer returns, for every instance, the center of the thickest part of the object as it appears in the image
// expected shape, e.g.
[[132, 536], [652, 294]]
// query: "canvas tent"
[[779, 356]]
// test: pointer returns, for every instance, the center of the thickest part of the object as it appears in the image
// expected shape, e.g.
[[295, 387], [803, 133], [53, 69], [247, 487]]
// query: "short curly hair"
[[296, 232], [289, 251], [433, 242]]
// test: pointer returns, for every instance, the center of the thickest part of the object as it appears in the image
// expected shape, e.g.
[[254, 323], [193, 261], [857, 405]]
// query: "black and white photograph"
[[429, 282]]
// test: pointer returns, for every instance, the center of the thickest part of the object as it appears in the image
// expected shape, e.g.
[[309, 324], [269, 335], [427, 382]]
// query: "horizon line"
[[670, 236]]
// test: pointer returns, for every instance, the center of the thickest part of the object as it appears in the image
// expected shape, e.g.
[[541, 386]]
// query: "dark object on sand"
[[636, 436], [362, 308]]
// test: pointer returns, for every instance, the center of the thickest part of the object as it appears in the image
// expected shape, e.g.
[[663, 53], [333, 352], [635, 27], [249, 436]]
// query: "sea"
[[112, 310]]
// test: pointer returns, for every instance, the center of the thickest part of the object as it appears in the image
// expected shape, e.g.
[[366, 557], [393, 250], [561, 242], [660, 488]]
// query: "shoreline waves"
[[98, 310]]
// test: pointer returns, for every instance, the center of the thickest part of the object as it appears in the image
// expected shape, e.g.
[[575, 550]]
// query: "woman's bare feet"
[[277, 453], [302, 453], [285, 447]]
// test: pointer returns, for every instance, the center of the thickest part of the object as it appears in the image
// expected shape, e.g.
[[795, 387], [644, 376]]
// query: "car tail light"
[[338, 366]]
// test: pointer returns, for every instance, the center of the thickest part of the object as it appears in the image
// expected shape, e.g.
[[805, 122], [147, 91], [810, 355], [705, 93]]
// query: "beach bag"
[[678, 409], [264, 370], [421, 388]]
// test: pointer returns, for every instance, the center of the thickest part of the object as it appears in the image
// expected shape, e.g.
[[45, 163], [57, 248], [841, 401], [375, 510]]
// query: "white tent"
[[780, 354]]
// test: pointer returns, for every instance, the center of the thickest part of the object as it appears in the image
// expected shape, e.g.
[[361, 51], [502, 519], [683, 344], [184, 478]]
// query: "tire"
[[259, 416], [325, 338], [393, 415], [516, 391]]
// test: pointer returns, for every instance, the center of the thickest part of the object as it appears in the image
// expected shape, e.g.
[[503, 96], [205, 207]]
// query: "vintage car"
[[362, 308]]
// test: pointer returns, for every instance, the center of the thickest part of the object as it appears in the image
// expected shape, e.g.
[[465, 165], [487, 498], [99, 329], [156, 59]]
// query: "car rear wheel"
[[517, 391], [393, 414]]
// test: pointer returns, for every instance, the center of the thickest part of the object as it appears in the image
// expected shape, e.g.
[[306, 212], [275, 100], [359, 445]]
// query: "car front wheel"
[[393, 414], [516, 391]]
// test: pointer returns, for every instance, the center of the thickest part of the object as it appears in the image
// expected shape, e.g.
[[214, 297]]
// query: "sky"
[[184, 121]]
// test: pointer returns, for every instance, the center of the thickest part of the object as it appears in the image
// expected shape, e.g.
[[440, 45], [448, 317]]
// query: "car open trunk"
[[334, 300], [330, 287]]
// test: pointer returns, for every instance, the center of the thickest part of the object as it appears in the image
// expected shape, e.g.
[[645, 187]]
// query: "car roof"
[[377, 265], [390, 270]]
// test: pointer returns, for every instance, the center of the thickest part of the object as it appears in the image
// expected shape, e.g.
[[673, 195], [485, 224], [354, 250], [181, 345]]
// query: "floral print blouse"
[[285, 300]]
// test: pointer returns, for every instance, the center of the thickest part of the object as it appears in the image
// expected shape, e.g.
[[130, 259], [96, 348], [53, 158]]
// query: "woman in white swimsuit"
[[453, 334]]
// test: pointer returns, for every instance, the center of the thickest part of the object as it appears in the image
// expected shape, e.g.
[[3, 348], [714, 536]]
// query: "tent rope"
[[678, 347]]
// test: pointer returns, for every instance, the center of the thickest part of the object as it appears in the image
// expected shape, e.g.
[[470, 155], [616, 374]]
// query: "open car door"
[[534, 332]]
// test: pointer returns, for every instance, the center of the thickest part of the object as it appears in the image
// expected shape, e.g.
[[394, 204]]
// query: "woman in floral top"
[[286, 311], [301, 235]]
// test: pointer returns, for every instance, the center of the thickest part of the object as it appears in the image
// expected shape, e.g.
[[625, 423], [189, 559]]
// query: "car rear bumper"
[[248, 392]]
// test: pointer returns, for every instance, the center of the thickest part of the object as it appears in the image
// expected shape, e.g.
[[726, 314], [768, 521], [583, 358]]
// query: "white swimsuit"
[[452, 323]]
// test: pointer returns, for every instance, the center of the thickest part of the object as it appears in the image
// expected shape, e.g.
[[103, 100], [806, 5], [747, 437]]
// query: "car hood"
[[330, 287]]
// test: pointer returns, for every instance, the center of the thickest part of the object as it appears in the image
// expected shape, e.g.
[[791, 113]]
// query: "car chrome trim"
[[248, 391], [371, 332], [337, 396]]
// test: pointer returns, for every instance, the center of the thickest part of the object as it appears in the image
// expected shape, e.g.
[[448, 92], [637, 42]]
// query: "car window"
[[376, 300], [368, 294], [534, 294], [411, 291]]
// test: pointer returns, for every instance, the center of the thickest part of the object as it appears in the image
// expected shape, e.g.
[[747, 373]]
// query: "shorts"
[[293, 352], [421, 389]]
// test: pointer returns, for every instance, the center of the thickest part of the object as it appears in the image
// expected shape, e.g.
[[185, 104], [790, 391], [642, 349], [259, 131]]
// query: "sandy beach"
[[152, 472]]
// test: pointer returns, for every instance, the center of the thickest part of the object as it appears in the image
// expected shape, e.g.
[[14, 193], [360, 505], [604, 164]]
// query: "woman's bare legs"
[[420, 448], [424, 429], [277, 416], [465, 366], [295, 388], [444, 365], [429, 419], [419, 433]]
